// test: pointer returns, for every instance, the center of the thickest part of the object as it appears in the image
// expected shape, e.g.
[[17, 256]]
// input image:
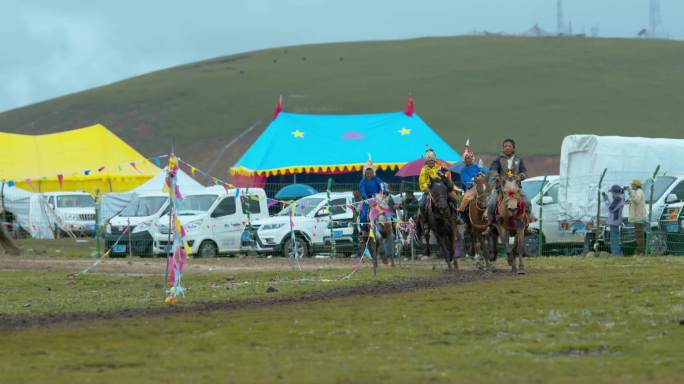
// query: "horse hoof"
[[521, 272]]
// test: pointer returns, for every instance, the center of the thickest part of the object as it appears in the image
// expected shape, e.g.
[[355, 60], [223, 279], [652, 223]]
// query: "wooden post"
[[333, 248], [597, 230], [650, 212], [540, 242]]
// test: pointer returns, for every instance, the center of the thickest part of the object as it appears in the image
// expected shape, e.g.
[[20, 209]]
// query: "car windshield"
[[144, 206], [195, 204], [75, 201], [531, 188], [662, 183], [304, 206]]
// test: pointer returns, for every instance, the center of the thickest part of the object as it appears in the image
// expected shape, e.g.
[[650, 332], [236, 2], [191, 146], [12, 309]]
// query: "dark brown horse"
[[477, 219], [442, 221], [6, 242]]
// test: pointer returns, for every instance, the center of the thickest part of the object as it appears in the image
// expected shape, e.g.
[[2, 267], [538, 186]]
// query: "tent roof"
[[156, 184], [300, 143], [41, 158]]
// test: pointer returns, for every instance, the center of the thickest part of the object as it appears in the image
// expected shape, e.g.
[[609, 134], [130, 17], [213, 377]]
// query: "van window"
[[226, 207], [553, 192], [251, 204], [339, 206], [679, 191]]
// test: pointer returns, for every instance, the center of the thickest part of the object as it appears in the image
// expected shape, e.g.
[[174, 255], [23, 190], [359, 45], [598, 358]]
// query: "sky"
[[52, 48]]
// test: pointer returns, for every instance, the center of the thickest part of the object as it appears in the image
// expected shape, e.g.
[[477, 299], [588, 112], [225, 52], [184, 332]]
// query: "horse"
[[476, 219], [442, 221], [512, 222], [382, 217]]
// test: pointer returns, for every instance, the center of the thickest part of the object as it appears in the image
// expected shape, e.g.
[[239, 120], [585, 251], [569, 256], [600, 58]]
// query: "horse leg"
[[390, 245], [519, 240], [426, 233], [505, 240]]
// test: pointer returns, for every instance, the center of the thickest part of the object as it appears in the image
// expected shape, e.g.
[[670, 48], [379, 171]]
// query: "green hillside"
[[486, 88]]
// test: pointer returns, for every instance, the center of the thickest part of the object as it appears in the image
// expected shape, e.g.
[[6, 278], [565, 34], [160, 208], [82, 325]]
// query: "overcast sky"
[[55, 47]]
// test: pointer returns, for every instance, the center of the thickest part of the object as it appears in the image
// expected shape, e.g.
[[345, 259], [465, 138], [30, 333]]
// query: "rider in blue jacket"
[[369, 186]]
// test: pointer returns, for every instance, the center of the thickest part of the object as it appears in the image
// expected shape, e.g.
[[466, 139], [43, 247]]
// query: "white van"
[[75, 211], [132, 230], [214, 219]]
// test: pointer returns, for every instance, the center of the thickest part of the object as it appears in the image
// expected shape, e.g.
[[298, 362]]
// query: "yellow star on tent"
[[404, 131], [298, 134]]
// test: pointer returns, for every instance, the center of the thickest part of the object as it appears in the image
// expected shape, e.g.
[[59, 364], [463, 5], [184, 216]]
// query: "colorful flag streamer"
[[179, 249]]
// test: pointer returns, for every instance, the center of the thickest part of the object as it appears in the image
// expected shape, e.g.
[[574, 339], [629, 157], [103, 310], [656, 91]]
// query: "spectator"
[[637, 214], [616, 203]]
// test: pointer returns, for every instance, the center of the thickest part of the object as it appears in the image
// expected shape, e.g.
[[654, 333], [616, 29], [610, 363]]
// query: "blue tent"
[[300, 143]]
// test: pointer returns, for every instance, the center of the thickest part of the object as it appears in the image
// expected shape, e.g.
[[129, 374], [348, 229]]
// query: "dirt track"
[[22, 321], [151, 266]]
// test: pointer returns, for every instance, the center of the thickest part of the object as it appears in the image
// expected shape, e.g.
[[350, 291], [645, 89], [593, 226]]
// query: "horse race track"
[[569, 320]]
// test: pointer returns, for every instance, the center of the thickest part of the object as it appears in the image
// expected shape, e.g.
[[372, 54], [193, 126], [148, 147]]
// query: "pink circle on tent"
[[352, 136]]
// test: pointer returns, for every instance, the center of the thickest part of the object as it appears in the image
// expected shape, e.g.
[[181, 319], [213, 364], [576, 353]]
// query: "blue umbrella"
[[295, 191]]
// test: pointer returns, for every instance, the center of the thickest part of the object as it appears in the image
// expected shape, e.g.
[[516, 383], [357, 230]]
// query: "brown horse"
[[442, 221], [380, 243], [513, 222], [477, 219]]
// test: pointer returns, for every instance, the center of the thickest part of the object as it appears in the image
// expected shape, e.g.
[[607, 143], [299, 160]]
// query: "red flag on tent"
[[278, 107], [409, 107], [29, 183], [60, 179], [132, 163], [102, 168]]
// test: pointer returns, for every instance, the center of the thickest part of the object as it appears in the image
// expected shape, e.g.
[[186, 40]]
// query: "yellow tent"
[[84, 159]]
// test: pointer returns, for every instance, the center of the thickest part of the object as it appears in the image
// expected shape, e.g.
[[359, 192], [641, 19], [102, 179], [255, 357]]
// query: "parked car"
[[214, 220], [671, 226], [310, 223], [75, 211], [133, 229]]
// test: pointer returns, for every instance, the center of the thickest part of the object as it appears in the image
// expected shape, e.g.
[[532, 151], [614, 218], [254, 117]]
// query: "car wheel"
[[207, 249], [302, 249], [657, 244]]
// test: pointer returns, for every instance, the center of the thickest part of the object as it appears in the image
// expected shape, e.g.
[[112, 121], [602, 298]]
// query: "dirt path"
[[152, 266], [8, 322]]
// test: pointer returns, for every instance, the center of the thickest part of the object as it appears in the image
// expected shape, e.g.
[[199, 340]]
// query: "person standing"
[[637, 214], [615, 205], [469, 173]]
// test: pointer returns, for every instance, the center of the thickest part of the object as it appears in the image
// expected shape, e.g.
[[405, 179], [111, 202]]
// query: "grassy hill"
[[485, 88]]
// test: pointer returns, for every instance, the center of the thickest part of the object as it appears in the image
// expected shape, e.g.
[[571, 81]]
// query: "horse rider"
[[431, 171], [507, 163], [369, 186], [469, 175]]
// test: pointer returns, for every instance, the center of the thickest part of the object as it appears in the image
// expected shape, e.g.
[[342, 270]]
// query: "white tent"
[[584, 157], [112, 203], [31, 211]]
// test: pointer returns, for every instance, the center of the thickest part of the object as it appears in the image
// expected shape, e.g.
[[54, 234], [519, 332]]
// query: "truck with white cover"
[[583, 160]]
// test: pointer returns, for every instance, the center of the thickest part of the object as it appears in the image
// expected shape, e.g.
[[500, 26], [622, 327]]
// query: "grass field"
[[484, 88], [607, 320]]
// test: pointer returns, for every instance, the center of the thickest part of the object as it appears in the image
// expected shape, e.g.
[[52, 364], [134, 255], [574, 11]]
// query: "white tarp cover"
[[584, 157], [113, 203], [31, 211]]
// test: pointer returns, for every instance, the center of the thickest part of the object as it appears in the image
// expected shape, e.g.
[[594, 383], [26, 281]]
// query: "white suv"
[[75, 211], [311, 225]]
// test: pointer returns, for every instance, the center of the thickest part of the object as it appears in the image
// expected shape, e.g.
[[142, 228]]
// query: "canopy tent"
[[30, 210], [84, 159], [113, 203], [328, 144]]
